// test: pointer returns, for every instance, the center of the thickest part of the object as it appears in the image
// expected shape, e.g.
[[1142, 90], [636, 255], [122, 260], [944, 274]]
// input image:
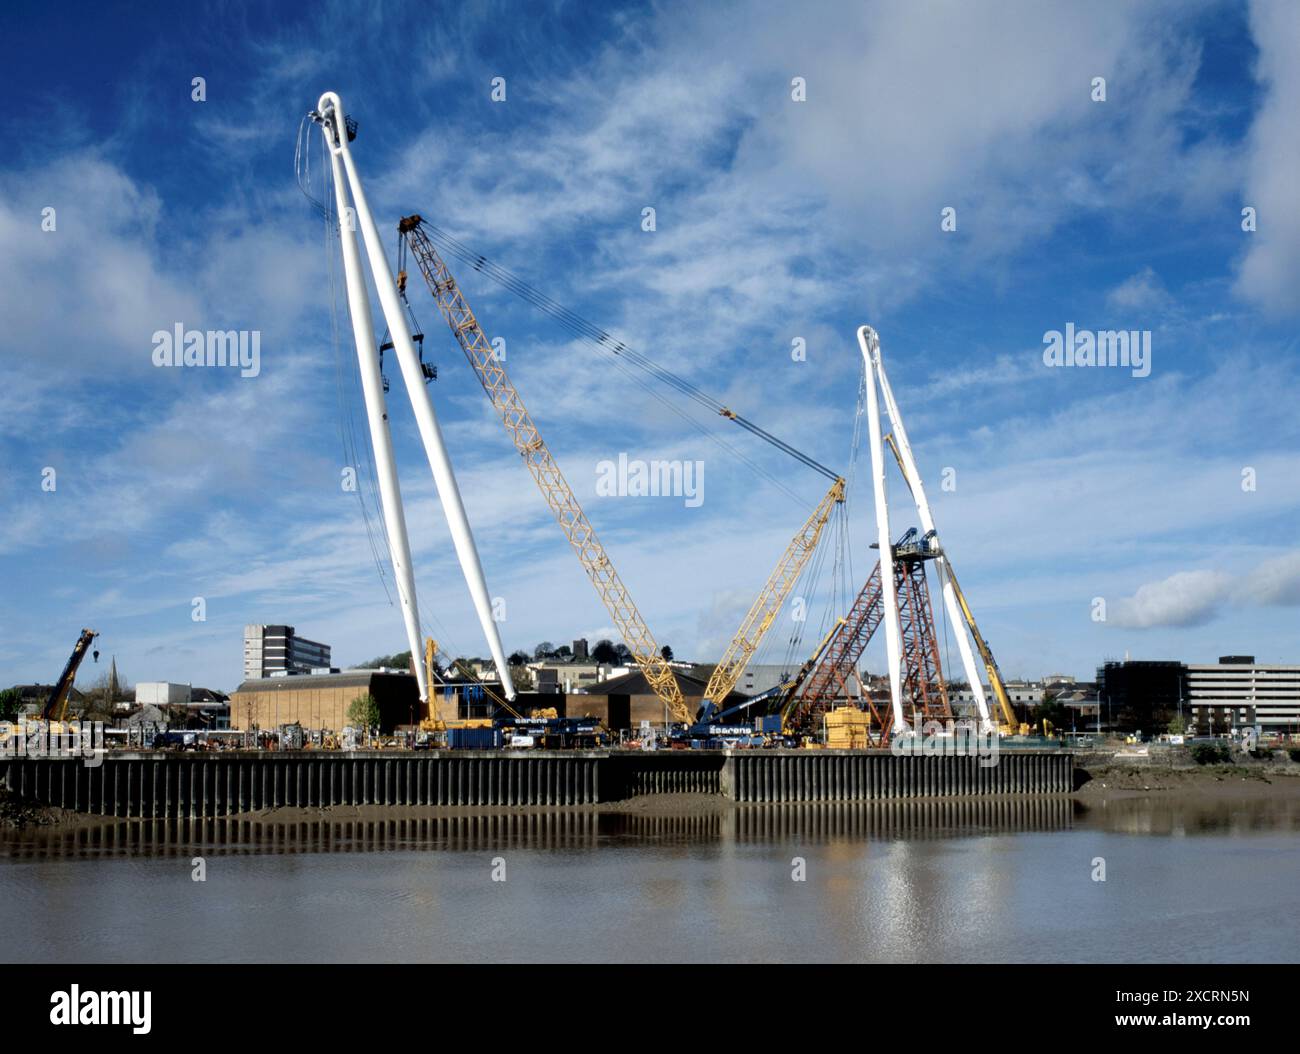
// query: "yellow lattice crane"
[[764, 610], [554, 487]]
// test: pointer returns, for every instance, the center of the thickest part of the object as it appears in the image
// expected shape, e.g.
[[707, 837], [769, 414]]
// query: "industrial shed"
[[624, 702], [322, 700]]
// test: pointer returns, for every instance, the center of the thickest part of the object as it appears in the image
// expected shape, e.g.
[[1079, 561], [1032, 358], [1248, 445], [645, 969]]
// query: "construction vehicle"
[[543, 466], [550, 731], [433, 729], [53, 715], [56, 706]]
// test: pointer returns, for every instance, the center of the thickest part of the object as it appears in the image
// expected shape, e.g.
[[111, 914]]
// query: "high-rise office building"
[[276, 651]]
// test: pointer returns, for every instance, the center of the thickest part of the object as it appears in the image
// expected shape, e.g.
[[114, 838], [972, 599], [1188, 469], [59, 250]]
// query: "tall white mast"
[[955, 617], [372, 387], [333, 121], [870, 345]]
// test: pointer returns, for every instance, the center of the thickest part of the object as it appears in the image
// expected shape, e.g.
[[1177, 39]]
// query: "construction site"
[[827, 732]]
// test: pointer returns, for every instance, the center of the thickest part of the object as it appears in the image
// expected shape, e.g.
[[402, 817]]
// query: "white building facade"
[[1238, 693]]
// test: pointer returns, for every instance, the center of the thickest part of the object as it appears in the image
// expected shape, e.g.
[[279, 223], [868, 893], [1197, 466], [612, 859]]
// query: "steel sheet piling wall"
[[164, 785], [841, 775], [159, 784]]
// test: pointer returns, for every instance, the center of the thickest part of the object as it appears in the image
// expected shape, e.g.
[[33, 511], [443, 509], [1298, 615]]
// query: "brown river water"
[[1185, 880]]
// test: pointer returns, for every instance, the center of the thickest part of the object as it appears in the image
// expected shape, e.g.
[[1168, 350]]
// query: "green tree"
[[363, 712], [400, 661], [604, 652], [666, 653], [11, 700]]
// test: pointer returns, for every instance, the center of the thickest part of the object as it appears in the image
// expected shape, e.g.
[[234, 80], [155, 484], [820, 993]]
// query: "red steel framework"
[[924, 691]]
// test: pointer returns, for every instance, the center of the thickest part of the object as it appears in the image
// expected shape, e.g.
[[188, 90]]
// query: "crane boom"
[[986, 656], [765, 607], [550, 480], [790, 690], [57, 704]]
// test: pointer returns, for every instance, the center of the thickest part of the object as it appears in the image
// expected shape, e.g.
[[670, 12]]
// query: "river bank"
[[1101, 780], [1120, 779]]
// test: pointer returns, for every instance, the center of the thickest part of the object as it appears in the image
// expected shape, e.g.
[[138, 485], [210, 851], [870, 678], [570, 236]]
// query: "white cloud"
[[1188, 598], [1276, 582], [1194, 598], [1269, 275], [1141, 290]]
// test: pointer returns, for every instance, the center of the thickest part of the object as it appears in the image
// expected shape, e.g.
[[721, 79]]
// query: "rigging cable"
[[600, 338]]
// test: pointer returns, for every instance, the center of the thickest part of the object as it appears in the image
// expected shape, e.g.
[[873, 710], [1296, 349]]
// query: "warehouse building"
[[322, 700], [624, 702]]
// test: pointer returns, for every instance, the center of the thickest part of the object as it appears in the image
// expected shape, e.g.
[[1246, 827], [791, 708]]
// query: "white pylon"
[[334, 125], [870, 345], [955, 617], [381, 440]]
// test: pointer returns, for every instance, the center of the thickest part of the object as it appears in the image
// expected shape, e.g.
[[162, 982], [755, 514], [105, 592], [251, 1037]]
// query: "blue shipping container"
[[473, 738]]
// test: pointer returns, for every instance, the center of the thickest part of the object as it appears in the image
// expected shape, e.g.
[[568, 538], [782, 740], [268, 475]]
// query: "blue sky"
[[776, 219]]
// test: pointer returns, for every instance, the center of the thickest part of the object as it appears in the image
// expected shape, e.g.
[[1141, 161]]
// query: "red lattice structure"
[[923, 688], [829, 679]]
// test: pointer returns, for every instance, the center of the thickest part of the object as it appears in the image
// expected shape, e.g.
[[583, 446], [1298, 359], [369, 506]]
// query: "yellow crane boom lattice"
[[764, 610], [550, 480]]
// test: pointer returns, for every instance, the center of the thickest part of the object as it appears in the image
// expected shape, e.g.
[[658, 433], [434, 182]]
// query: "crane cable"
[[653, 392], [600, 338]]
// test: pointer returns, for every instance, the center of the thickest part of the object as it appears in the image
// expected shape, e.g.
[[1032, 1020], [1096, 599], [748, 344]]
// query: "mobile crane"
[[528, 441], [56, 706]]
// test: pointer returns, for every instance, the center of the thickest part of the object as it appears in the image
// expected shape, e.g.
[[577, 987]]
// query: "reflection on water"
[[968, 881], [1191, 815], [545, 830]]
